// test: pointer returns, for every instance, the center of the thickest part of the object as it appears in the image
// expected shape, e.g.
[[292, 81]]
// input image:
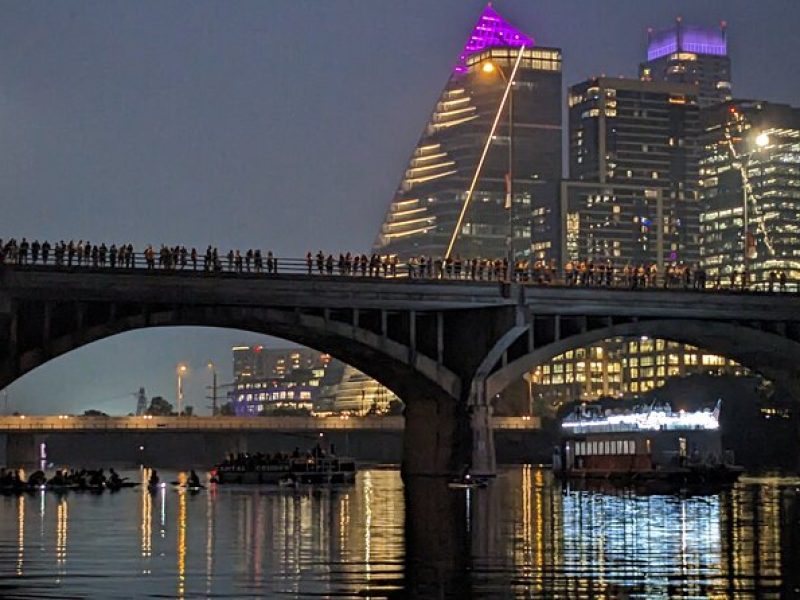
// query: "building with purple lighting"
[[432, 197], [422, 216], [690, 54]]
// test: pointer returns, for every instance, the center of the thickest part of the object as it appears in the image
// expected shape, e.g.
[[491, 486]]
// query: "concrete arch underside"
[[772, 355], [432, 393]]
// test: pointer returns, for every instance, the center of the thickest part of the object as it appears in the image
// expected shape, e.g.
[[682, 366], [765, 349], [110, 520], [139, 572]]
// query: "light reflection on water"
[[524, 536]]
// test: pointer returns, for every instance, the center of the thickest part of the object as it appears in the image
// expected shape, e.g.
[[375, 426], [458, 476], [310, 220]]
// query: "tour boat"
[[646, 443], [304, 469]]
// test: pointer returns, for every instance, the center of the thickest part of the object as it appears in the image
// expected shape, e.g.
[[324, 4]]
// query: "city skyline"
[[157, 199]]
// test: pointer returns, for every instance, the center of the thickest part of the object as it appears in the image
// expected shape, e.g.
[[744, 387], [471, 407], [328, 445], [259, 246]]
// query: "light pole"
[[762, 141], [214, 408], [488, 68], [180, 371]]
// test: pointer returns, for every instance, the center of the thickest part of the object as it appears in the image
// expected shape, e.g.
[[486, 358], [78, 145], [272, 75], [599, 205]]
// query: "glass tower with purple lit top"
[[423, 214], [690, 54]]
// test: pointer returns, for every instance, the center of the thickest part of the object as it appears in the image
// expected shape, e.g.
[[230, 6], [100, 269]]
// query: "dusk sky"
[[282, 124]]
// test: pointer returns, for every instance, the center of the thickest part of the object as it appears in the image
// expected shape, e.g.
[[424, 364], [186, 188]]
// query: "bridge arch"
[[774, 356], [384, 359], [431, 391]]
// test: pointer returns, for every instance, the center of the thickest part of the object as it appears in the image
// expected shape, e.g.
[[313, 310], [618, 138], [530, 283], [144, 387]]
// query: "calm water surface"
[[524, 536]]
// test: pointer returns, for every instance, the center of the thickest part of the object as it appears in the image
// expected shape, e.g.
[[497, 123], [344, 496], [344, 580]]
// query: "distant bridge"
[[80, 424], [446, 347]]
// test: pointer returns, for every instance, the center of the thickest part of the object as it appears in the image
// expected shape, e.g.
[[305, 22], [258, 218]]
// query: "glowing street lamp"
[[762, 140], [180, 371]]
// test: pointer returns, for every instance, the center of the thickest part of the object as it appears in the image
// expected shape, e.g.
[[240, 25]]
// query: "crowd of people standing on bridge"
[[584, 273]]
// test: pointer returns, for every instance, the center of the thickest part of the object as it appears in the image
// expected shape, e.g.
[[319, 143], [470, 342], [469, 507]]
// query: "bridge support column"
[[484, 459], [436, 438]]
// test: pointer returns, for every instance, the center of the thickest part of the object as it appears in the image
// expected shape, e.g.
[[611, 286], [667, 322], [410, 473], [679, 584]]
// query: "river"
[[524, 536]]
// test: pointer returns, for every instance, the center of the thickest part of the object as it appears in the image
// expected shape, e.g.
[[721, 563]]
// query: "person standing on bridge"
[[309, 263], [23, 252]]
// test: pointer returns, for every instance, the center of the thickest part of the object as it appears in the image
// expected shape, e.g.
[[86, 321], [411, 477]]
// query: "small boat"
[[188, 488], [153, 488], [301, 470], [468, 482]]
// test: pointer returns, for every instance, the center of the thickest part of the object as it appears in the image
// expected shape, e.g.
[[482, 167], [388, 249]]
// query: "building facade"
[[750, 171], [433, 210], [273, 379], [619, 368], [632, 192], [690, 54]]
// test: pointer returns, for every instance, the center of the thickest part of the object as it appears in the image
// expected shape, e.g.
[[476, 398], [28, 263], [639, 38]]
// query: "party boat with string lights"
[[645, 443]]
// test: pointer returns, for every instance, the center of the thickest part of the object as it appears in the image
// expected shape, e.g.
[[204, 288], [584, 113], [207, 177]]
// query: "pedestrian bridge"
[[446, 347]]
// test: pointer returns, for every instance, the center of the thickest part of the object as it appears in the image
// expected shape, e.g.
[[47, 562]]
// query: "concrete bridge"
[[445, 347]]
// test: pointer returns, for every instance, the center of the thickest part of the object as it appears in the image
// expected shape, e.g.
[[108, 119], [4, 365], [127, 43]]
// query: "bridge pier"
[[484, 459], [436, 439]]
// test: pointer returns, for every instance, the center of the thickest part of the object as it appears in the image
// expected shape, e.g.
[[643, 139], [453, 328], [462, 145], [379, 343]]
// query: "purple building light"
[[491, 31], [687, 38]]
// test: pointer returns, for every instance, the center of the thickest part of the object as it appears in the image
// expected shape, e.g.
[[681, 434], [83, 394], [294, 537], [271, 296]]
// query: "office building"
[[432, 209], [632, 192], [258, 362], [690, 54], [269, 379], [750, 171], [619, 368]]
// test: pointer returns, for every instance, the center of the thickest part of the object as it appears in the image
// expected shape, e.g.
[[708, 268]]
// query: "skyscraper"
[[750, 172], [432, 209], [434, 192], [690, 54], [632, 192]]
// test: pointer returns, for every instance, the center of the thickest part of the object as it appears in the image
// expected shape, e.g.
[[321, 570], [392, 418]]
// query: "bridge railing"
[[384, 267], [65, 423]]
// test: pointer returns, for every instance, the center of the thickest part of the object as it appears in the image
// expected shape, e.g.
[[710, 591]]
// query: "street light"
[[180, 371], [213, 388], [762, 141], [489, 68]]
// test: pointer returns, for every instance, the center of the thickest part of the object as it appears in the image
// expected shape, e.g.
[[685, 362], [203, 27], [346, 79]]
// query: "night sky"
[[280, 124]]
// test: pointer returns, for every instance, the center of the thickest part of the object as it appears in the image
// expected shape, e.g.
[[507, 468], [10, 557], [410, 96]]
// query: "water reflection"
[[524, 536]]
